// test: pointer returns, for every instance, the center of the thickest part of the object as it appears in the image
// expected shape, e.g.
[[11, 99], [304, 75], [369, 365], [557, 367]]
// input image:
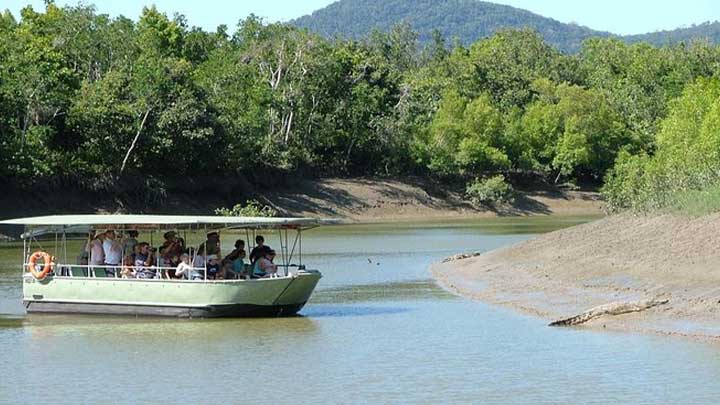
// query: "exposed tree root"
[[613, 308]]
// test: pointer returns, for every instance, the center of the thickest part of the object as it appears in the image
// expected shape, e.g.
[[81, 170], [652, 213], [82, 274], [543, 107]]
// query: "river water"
[[378, 329]]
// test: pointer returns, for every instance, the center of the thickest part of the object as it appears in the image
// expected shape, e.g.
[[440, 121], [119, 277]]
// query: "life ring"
[[48, 264]]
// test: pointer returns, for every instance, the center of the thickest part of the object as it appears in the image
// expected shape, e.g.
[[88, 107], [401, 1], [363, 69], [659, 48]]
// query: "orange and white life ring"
[[47, 259]]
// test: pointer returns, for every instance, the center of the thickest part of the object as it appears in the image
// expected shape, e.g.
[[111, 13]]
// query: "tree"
[[465, 137]]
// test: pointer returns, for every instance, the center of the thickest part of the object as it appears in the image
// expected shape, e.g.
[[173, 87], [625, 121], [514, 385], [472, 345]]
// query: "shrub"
[[695, 202], [490, 190], [252, 208], [684, 172]]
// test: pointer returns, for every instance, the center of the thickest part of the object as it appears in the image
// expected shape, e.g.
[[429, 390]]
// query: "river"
[[378, 329]]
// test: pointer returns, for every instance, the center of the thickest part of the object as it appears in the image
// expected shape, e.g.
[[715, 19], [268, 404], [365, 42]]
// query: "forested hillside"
[[709, 31], [92, 100], [469, 21]]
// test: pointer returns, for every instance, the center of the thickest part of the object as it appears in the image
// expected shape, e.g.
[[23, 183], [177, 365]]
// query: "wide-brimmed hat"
[[212, 257]]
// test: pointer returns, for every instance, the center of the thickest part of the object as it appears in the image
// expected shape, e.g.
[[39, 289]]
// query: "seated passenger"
[[185, 270], [264, 266], [238, 252], [128, 267], [144, 260], [258, 250], [142, 255], [237, 259], [213, 267]]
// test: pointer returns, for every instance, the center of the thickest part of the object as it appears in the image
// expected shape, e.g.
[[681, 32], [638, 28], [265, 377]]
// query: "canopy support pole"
[[24, 255]]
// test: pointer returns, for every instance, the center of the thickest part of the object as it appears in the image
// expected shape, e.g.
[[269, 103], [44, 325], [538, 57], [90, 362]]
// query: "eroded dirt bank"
[[355, 200], [617, 258]]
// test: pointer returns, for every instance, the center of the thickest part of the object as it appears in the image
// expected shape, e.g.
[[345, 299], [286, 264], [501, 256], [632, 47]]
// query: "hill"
[[707, 31], [468, 20]]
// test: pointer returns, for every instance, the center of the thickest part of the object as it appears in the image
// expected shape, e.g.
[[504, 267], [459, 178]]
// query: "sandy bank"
[[616, 258], [384, 200]]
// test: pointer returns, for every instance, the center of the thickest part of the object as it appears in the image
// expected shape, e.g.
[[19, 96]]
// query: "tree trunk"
[[132, 145]]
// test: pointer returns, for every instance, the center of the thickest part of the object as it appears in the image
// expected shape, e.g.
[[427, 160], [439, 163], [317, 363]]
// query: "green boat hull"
[[270, 297]]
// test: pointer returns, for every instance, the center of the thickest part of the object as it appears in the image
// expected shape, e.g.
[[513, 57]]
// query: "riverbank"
[[617, 258], [354, 200], [387, 200]]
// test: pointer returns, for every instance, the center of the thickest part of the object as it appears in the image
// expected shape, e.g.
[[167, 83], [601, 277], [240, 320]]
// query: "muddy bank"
[[382, 200], [618, 258], [356, 200]]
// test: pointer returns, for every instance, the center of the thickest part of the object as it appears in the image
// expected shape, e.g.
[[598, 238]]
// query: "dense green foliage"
[[471, 20], [467, 20], [94, 100], [686, 165], [707, 30]]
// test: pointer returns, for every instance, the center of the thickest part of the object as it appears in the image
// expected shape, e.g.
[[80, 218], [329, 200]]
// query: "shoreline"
[[355, 200], [373, 200], [615, 259]]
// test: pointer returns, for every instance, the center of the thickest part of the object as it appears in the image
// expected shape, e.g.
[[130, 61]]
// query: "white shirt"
[[183, 269], [97, 254], [112, 250]]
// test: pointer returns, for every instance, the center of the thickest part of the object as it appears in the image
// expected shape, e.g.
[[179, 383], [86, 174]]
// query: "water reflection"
[[189, 330], [390, 291], [342, 311]]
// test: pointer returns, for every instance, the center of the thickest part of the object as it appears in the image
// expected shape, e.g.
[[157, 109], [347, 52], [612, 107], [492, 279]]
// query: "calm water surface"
[[377, 329]]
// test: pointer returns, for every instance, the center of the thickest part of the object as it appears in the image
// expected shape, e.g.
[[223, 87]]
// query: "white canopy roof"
[[165, 221]]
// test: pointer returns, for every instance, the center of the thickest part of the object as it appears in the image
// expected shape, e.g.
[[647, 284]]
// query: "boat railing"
[[157, 272]]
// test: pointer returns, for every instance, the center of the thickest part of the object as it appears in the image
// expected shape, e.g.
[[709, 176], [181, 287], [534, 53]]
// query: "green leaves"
[[251, 208], [489, 191], [686, 160], [464, 136], [81, 91]]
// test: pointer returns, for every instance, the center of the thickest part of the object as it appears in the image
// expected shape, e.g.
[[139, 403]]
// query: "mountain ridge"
[[470, 20]]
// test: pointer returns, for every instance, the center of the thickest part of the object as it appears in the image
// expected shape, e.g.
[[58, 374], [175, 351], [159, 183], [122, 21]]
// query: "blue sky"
[[618, 16]]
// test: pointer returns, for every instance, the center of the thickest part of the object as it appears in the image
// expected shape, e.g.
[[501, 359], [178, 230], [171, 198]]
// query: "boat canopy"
[[122, 221]]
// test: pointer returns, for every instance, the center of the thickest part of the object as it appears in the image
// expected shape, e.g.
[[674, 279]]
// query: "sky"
[[617, 16]]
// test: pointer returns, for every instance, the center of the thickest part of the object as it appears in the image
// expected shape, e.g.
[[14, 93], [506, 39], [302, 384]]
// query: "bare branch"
[[132, 145]]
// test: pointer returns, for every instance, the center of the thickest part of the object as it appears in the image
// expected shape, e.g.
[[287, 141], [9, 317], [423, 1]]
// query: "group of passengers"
[[128, 258]]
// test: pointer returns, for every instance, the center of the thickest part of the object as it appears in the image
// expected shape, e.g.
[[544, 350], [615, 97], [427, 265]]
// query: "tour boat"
[[61, 285]]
